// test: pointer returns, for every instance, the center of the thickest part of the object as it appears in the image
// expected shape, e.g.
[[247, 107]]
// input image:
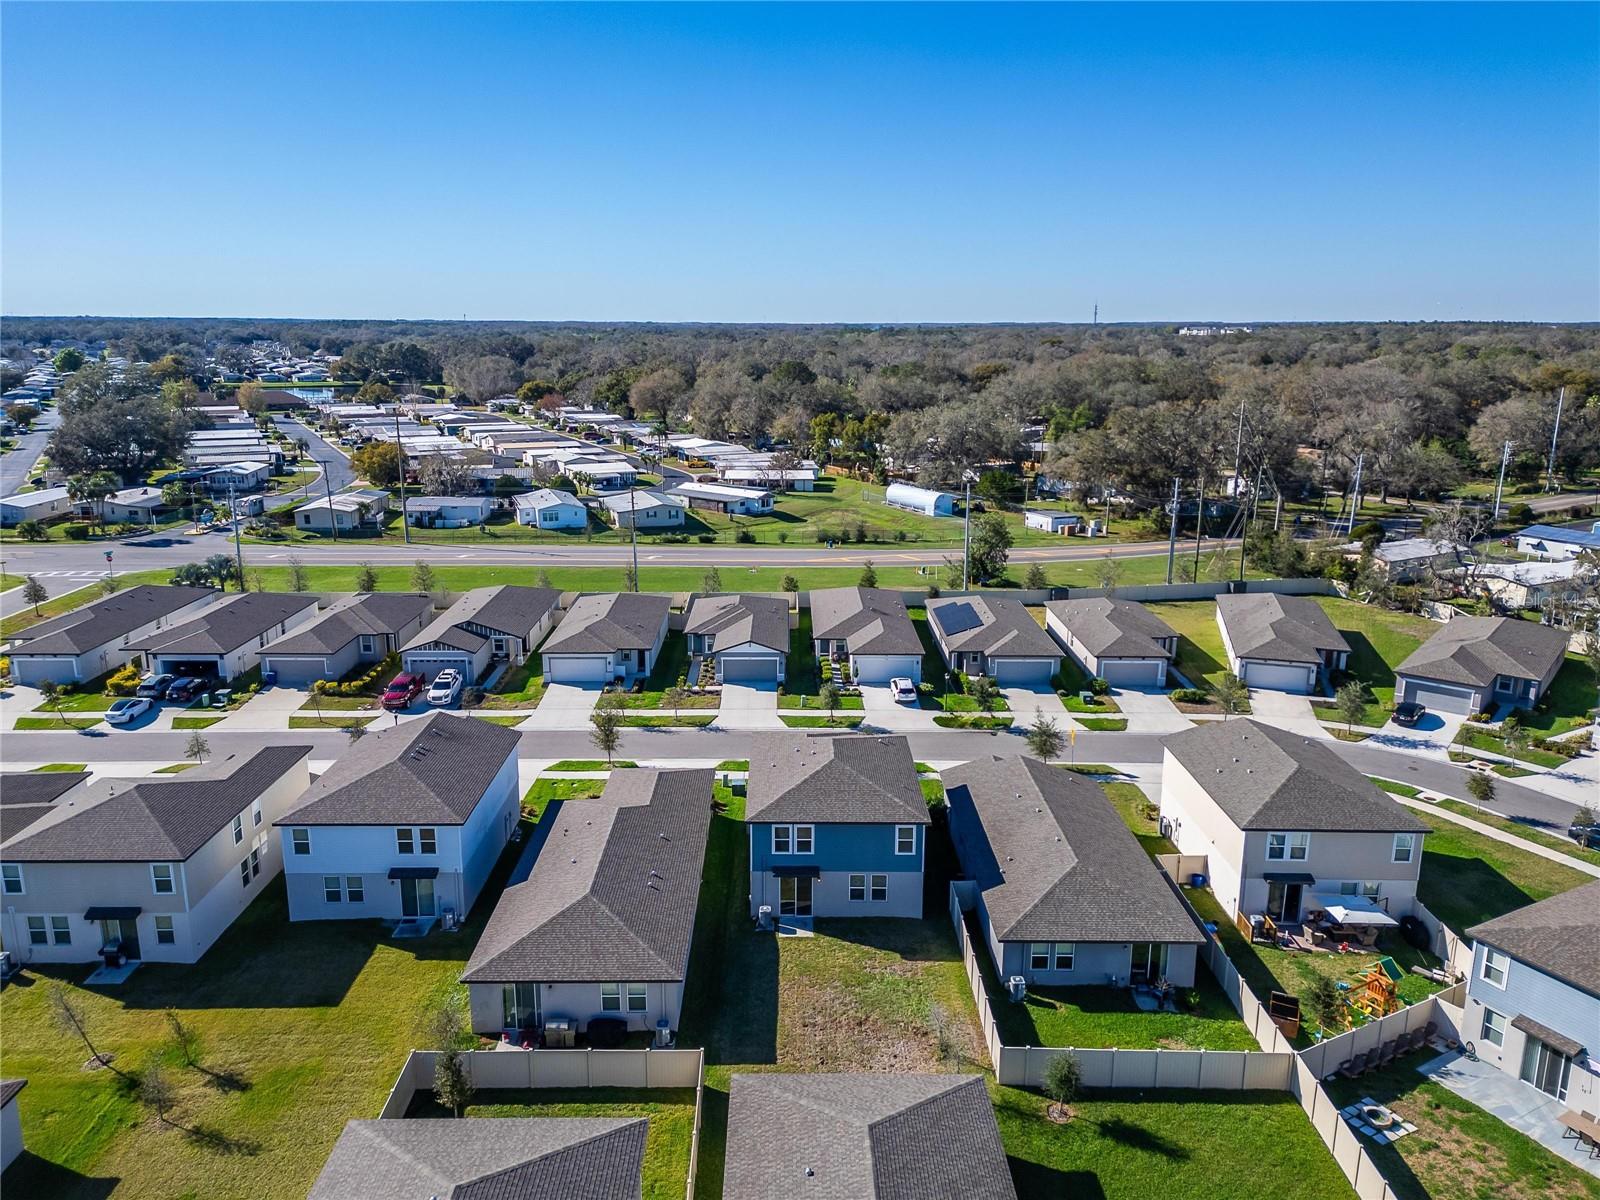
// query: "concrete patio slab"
[[1520, 1105]]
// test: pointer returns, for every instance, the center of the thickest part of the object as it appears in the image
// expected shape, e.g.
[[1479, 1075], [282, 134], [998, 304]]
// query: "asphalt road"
[[1511, 799], [333, 460], [17, 462]]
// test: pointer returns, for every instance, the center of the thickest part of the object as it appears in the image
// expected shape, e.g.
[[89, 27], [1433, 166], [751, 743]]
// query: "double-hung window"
[[1405, 847], [427, 843], [300, 840], [11, 879], [1288, 847], [164, 932], [1038, 956], [404, 843], [638, 997], [858, 887], [238, 829], [880, 889], [610, 997], [1494, 1027], [244, 872], [1063, 953], [60, 931], [802, 839], [905, 839], [161, 879], [255, 813], [330, 889], [1495, 965], [355, 889], [36, 932], [792, 839]]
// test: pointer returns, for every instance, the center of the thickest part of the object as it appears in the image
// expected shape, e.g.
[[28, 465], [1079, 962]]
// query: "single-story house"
[[1064, 893], [643, 510], [26, 796], [607, 636], [1533, 585], [1281, 642], [483, 625], [10, 1121], [724, 498], [601, 474], [448, 512], [1551, 541], [1287, 826], [791, 479], [867, 1136], [354, 632], [869, 628], [406, 824], [927, 501], [487, 1158], [1051, 522], [549, 508], [745, 636], [1410, 559], [359, 508], [993, 635], [132, 506], [103, 635], [159, 866], [226, 638], [1533, 998], [1117, 640], [43, 505], [1474, 664], [838, 827], [237, 476], [598, 922]]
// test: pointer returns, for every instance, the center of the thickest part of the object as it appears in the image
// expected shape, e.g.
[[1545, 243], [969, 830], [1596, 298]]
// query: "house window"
[[802, 839], [880, 888], [368, 645], [905, 839], [426, 842], [36, 932], [1495, 965], [255, 860], [161, 878], [60, 931], [1371, 890], [792, 839], [255, 813], [610, 997], [1039, 956], [1293, 847], [403, 841], [330, 889], [244, 872], [1405, 847], [1064, 953], [858, 887], [638, 997], [300, 839], [11, 879], [355, 889], [164, 933], [1494, 1027], [238, 830]]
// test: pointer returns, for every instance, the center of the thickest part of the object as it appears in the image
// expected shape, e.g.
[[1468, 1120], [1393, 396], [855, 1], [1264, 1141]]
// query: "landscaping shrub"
[[744, 536], [1566, 747], [705, 537], [123, 682], [77, 531], [362, 684], [1189, 695], [1520, 514], [1099, 686]]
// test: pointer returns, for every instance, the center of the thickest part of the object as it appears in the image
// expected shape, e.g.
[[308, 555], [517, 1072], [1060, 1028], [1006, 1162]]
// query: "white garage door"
[[750, 669], [1133, 672], [1283, 677], [1439, 697], [296, 672], [880, 668], [1013, 671], [34, 671], [577, 668], [429, 665]]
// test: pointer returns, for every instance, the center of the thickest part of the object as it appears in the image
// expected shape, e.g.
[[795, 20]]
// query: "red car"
[[403, 691]]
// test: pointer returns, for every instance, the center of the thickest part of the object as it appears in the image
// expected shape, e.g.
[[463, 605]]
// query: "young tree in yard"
[[790, 584], [1231, 695], [70, 1017], [711, 581], [51, 691], [33, 592], [869, 575], [1045, 738], [184, 1039], [1035, 580], [422, 577], [1109, 572], [607, 720], [990, 547], [543, 578], [355, 731], [1322, 997], [444, 1030], [198, 747], [299, 581], [1350, 702], [828, 698], [156, 1092], [676, 696], [366, 579], [985, 692], [1480, 786], [1515, 736], [1063, 1080]]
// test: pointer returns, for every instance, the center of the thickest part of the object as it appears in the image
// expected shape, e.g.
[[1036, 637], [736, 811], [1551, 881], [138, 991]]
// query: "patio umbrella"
[[1355, 915]]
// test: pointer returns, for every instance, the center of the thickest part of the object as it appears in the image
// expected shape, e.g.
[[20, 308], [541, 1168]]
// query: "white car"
[[446, 687], [130, 709], [903, 690]]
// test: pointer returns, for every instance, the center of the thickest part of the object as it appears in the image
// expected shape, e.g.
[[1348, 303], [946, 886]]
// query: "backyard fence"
[[1328, 1055], [1451, 947], [962, 895], [1182, 866]]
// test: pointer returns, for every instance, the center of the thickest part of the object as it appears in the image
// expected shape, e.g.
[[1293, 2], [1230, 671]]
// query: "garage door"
[[296, 672], [34, 671], [1013, 671], [1283, 677], [750, 669], [577, 668], [429, 665], [1439, 697], [880, 668], [204, 668], [1134, 672]]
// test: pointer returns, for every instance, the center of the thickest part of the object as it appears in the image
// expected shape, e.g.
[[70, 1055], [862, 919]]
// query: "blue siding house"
[[838, 827], [1533, 1001]]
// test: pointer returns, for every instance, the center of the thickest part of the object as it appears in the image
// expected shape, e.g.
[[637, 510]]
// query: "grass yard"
[[333, 722], [1201, 659], [670, 1112], [67, 721], [589, 764], [1568, 705], [668, 721], [1460, 1151], [820, 722], [1532, 834], [206, 722], [542, 792], [1380, 640], [520, 685], [60, 767], [1103, 724], [845, 703], [958, 722], [1495, 745], [506, 722], [1141, 814], [175, 768], [78, 702], [800, 674], [316, 704], [1468, 878]]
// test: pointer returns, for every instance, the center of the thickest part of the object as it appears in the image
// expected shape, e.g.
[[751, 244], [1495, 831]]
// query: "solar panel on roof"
[[956, 618]]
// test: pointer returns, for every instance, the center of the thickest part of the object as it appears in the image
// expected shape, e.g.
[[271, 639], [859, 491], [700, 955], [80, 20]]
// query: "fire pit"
[[1378, 1122], [1377, 1116]]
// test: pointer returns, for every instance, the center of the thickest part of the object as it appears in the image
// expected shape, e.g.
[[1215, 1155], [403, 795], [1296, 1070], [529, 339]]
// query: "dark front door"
[[125, 932], [794, 896], [416, 897], [1283, 902]]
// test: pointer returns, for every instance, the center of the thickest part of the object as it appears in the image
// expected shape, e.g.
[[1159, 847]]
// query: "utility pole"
[[1247, 513], [966, 532], [1172, 530], [1238, 448], [1499, 487], [1199, 521], [238, 548], [1550, 469], [1355, 496], [327, 486], [633, 526], [400, 461]]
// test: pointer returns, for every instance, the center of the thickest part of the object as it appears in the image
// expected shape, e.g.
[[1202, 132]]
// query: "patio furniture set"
[[1585, 1128], [1399, 1047]]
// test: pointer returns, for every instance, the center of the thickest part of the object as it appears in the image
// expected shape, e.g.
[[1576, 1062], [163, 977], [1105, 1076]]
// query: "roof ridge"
[[390, 1147]]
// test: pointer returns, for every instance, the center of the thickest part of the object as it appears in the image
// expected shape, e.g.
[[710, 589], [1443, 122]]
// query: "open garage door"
[[1133, 672], [1440, 697], [1015, 672], [1282, 677], [750, 669], [577, 668]]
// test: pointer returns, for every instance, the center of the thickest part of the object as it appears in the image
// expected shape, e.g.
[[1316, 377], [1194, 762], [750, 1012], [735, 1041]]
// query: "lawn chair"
[[1387, 1055], [1427, 1033], [1356, 1065]]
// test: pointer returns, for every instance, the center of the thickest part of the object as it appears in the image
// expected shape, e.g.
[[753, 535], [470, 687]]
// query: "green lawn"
[[338, 721], [1141, 814], [1103, 724], [1568, 705], [1201, 659], [1528, 833], [67, 601], [175, 768], [820, 722], [589, 764], [543, 791], [208, 722], [316, 704], [78, 702], [667, 721], [1494, 745], [520, 685], [800, 674], [935, 673], [958, 722], [1380, 640], [68, 721], [61, 767], [508, 722], [845, 703], [1459, 1152], [1468, 878]]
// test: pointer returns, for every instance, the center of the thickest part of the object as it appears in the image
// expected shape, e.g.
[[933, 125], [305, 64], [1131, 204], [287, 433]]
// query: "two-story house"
[[156, 868], [406, 824], [1286, 825], [838, 827], [1533, 1000]]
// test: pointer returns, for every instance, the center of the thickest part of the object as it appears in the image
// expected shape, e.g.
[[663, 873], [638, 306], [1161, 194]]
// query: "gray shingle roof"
[[735, 620], [1107, 627], [1053, 859], [229, 623], [507, 609], [427, 772], [364, 613], [834, 780], [1263, 777], [997, 625], [25, 796], [486, 1158], [153, 820], [863, 1137], [1473, 650], [1273, 628], [609, 621], [106, 620], [1559, 936], [613, 892], [870, 620]]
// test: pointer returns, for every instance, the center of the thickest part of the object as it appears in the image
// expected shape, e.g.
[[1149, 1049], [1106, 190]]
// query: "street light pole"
[[327, 486], [400, 461]]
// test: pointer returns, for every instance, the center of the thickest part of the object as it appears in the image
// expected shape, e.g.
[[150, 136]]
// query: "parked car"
[[129, 708], [446, 687], [154, 687], [182, 691], [903, 690], [1587, 836], [1409, 713], [403, 691]]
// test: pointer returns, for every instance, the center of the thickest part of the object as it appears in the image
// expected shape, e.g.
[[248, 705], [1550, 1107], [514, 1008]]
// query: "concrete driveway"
[[884, 712], [749, 706], [270, 708], [1025, 700], [564, 706], [1432, 735], [1286, 711], [1149, 711]]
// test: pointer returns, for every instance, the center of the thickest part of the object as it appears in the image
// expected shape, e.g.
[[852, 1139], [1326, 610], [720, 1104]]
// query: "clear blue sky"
[[825, 163]]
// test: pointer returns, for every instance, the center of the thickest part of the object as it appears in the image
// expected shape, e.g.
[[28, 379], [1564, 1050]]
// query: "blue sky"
[[822, 163]]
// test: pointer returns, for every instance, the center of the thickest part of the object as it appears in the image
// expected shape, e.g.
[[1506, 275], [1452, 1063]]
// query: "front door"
[[1547, 1069], [1149, 962], [1283, 902], [794, 896], [416, 897]]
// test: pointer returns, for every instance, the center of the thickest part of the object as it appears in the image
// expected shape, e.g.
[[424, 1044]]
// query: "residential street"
[[16, 463]]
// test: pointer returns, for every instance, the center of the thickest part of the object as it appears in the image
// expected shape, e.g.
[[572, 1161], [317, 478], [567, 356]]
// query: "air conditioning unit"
[[561, 1033], [447, 920], [663, 1034], [1017, 988], [764, 918]]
